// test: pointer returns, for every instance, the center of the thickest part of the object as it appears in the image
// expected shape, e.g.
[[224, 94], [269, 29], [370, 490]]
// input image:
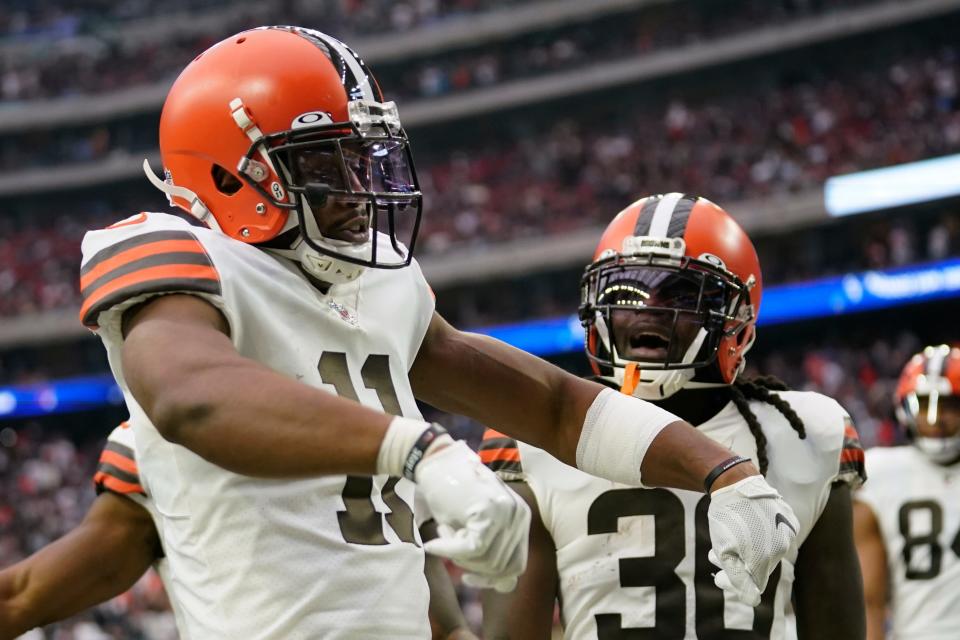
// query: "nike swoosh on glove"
[[483, 526], [751, 528]]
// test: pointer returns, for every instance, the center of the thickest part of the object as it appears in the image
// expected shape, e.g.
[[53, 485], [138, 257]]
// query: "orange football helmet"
[[682, 243], [274, 121], [933, 374]]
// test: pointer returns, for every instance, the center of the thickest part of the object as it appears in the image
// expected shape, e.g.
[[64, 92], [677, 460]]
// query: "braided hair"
[[759, 388]]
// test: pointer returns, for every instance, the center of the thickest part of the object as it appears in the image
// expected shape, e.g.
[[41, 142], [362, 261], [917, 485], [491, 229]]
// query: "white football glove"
[[751, 529], [483, 526]]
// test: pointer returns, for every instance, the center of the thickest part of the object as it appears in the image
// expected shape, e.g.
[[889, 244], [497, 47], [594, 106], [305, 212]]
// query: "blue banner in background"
[[856, 292], [540, 337], [59, 396], [851, 293]]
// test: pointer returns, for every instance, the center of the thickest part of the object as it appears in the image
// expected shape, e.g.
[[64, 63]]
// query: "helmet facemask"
[[350, 184], [657, 318], [930, 411]]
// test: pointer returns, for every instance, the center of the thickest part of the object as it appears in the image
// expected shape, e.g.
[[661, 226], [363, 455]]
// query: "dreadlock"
[[759, 388]]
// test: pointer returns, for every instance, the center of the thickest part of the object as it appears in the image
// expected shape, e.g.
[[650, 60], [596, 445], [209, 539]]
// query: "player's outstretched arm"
[[536, 402], [446, 616], [526, 613], [613, 436], [103, 557], [201, 393], [828, 589], [873, 565]]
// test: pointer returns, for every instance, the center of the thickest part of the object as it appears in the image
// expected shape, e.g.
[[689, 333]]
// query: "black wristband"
[[420, 447], [719, 469]]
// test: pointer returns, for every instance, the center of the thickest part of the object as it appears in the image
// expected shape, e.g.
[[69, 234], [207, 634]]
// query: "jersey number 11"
[[360, 522]]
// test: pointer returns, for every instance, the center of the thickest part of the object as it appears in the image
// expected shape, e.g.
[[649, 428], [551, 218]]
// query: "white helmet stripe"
[[934, 373], [359, 88], [662, 215], [353, 72]]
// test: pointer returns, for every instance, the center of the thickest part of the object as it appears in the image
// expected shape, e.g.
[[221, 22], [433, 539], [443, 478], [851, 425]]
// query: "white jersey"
[[118, 473], [328, 557], [632, 559], [917, 504]]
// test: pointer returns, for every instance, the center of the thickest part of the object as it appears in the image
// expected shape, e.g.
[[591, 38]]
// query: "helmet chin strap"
[[319, 265], [658, 384], [939, 450]]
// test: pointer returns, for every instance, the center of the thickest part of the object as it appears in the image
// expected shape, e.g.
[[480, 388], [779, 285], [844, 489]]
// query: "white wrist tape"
[[617, 432], [400, 438]]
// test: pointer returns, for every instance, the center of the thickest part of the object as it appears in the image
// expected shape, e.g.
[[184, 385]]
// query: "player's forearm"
[[834, 612], [526, 612], [539, 403], [876, 612], [502, 387], [828, 589], [445, 609], [23, 605], [876, 622], [100, 559], [677, 455], [13, 621], [28, 600], [873, 568], [681, 457], [249, 419]]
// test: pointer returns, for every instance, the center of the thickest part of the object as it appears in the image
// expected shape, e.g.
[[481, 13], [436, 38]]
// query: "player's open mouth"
[[647, 345], [355, 229]]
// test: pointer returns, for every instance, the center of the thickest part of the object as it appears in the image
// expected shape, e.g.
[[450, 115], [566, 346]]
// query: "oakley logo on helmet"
[[311, 119], [714, 260]]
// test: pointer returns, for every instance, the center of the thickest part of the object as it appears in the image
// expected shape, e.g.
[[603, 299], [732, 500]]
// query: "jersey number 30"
[[659, 570], [360, 522]]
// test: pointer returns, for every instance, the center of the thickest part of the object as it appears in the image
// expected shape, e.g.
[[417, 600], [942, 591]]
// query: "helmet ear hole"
[[741, 336], [225, 181]]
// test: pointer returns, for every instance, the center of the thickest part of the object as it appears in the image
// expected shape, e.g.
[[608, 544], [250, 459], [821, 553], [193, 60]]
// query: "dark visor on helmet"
[[659, 309], [378, 167], [370, 167], [645, 288]]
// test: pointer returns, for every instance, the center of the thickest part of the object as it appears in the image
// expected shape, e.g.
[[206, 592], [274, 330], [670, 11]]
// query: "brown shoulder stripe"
[[158, 262], [498, 443], [106, 482], [118, 473], [146, 262], [499, 452], [130, 243], [90, 312], [122, 449], [513, 466]]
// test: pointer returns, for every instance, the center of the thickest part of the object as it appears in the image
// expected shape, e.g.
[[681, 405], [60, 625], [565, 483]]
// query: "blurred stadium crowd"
[[107, 63], [758, 142], [760, 133]]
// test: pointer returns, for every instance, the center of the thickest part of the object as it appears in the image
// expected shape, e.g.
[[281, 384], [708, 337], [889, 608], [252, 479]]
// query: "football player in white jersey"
[[110, 550], [669, 306], [117, 541], [272, 340], [908, 517]]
